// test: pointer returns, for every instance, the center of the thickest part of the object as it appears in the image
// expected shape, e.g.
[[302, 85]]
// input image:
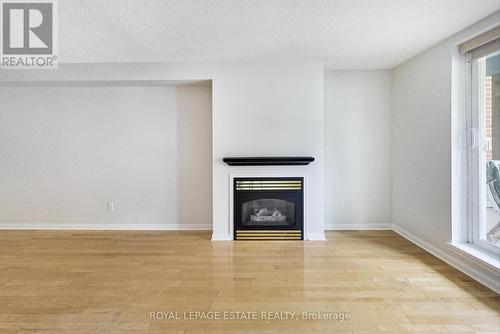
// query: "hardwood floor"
[[109, 282]]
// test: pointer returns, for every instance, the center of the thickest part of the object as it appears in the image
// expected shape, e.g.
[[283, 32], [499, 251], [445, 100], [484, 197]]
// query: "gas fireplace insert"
[[269, 208]]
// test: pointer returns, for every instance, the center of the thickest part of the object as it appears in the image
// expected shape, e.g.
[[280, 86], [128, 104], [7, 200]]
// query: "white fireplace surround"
[[313, 197], [263, 172]]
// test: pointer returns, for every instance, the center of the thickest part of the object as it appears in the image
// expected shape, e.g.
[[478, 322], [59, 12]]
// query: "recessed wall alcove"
[[107, 155]]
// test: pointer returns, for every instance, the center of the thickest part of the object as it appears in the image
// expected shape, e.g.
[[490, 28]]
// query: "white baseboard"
[[358, 226], [221, 237], [126, 227], [491, 281], [315, 236]]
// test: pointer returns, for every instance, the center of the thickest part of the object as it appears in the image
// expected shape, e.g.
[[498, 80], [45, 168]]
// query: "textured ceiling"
[[343, 33]]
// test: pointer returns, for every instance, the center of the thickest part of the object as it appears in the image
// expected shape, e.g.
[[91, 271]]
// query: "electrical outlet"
[[110, 206]]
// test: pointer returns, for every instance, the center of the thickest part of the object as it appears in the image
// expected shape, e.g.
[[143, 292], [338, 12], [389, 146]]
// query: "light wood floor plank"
[[110, 281]]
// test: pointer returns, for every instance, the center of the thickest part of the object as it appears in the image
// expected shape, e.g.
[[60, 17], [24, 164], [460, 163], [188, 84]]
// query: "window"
[[483, 157]]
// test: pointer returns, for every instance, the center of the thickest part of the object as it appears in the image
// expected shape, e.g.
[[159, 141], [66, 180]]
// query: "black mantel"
[[268, 161]]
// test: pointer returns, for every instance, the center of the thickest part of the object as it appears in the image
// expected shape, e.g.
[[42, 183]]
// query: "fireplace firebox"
[[269, 208]]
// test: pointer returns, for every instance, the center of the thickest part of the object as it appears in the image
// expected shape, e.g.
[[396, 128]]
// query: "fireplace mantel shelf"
[[268, 161]]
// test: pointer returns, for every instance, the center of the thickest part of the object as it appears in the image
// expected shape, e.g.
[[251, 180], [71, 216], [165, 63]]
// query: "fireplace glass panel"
[[268, 212]]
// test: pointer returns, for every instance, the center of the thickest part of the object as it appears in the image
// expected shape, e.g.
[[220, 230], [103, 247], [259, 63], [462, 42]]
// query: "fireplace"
[[269, 208]]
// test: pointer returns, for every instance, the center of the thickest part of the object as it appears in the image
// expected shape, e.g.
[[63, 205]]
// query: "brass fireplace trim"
[[268, 234], [277, 184]]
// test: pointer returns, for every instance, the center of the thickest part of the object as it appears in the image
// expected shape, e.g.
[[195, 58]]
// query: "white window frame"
[[476, 161]]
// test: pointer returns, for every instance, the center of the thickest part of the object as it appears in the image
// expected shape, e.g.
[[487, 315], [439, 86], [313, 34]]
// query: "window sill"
[[469, 251]]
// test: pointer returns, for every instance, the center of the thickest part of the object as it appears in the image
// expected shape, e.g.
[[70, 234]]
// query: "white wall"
[[422, 114], [358, 149], [257, 109], [67, 151]]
